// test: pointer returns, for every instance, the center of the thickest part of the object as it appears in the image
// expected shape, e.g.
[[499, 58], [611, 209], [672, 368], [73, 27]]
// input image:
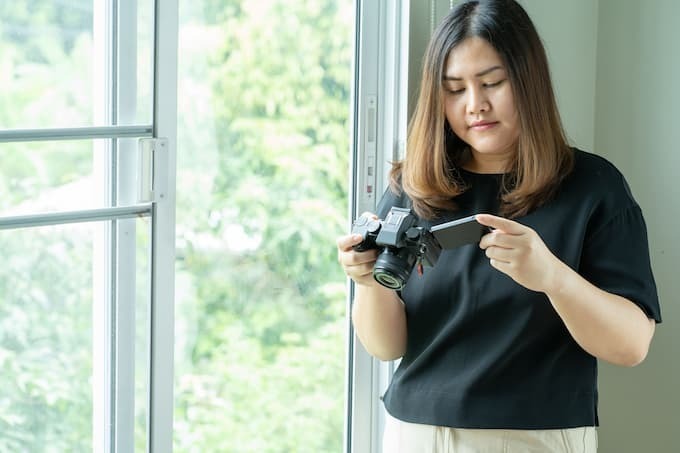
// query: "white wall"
[[637, 127], [569, 32]]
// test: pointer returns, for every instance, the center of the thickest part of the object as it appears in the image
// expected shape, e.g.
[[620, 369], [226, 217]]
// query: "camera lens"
[[393, 267], [388, 280]]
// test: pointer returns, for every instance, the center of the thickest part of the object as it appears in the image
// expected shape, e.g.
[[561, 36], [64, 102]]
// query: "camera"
[[403, 244]]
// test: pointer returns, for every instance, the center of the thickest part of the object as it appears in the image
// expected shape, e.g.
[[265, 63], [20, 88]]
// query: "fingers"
[[360, 271], [503, 267], [357, 265], [500, 223], [353, 258], [500, 238], [517, 251], [346, 242], [501, 254]]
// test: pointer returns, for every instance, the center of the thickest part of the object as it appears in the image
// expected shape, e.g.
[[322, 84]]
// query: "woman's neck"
[[477, 162]]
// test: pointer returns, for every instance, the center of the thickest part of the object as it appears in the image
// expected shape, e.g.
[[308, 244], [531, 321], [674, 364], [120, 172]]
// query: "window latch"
[[152, 169]]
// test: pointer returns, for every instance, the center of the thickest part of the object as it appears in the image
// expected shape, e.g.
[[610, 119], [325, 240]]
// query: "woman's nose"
[[477, 101]]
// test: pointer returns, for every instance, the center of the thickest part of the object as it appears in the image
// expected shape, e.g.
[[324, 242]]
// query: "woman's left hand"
[[519, 252], [607, 326]]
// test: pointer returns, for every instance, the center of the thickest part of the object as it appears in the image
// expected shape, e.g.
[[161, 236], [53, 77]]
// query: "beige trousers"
[[403, 437]]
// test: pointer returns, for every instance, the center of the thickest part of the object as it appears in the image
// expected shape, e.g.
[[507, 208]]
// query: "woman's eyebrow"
[[479, 74]]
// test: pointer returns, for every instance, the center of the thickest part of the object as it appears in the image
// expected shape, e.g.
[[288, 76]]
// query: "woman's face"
[[480, 106]]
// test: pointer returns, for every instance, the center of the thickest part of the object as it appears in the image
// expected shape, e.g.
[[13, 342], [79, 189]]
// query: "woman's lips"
[[483, 125]]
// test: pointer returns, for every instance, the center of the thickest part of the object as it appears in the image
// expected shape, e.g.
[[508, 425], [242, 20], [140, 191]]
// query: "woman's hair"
[[428, 174]]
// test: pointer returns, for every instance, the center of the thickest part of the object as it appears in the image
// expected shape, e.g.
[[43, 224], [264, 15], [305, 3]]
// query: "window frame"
[[162, 316], [118, 162], [379, 120]]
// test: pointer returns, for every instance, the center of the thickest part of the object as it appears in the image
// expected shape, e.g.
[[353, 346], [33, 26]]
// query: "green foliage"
[[262, 189], [45, 282], [41, 43], [263, 178], [42, 25], [45, 338], [43, 48]]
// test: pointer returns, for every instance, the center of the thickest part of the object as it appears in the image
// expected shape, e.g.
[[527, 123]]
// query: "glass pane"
[[48, 176], [145, 61], [54, 327], [53, 60], [38, 177], [262, 189]]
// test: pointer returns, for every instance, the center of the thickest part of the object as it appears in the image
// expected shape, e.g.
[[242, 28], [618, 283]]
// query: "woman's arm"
[[378, 313], [608, 326]]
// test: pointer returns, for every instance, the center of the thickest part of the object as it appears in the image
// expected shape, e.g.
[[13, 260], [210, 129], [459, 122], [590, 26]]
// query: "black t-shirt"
[[485, 352]]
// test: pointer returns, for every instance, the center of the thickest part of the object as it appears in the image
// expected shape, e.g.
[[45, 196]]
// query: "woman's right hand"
[[378, 314], [357, 265]]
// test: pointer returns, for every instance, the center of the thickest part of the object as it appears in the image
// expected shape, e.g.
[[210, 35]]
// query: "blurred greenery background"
[[262, 175]]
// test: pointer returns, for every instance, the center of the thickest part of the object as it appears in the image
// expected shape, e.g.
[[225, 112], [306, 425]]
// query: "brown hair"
[[428, 173]]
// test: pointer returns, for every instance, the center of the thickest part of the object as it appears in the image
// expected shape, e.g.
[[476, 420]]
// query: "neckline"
[[481, 175]]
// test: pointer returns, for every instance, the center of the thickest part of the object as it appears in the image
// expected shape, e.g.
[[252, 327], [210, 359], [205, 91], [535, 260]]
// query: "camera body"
[[403, 244]]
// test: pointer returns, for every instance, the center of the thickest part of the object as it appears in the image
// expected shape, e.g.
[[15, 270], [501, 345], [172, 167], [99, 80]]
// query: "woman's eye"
[[455, 90], [493, 84]]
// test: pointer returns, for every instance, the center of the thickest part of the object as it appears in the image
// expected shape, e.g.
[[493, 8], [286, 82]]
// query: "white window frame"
[[114, 252], [161, 401], [379, 106]]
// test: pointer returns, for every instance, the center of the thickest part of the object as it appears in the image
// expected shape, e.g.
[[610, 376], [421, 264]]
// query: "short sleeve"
[[389, 200], [616, 259]]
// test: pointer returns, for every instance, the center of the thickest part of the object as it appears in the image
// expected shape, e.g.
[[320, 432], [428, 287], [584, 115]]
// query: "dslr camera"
[[402, 242]]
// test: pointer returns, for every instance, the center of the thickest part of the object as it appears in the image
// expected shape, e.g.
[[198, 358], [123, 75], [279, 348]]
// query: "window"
[[83, 225], [379, 133], [257, 353], [263, 139]]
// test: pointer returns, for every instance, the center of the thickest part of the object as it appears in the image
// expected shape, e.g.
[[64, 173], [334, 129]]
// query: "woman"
[[499, 342]]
